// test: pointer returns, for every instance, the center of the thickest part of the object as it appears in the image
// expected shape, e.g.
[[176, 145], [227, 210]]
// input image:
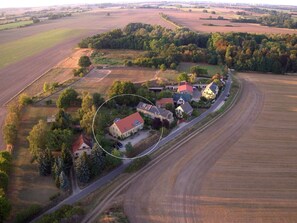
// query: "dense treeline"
[[273, 18], [166, 48], [254, 52]]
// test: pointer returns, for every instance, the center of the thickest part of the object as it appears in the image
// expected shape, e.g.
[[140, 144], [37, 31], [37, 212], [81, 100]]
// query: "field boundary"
[[28, 85]]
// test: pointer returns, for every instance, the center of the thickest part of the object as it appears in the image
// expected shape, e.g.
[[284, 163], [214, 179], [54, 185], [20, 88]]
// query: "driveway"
[[139, 136]]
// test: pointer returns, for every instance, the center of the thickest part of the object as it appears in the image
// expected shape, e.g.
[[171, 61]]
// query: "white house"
[[211, 91], [123, 128], [82, 144], [185, 108]]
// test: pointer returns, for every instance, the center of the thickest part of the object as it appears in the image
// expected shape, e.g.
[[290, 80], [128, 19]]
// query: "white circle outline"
[[125, 158]]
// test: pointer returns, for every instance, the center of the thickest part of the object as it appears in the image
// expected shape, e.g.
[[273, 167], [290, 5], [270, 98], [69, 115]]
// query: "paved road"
[[169, 192], [109, 177]]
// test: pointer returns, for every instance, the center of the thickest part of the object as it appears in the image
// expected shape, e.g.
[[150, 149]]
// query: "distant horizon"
[[33, 3]]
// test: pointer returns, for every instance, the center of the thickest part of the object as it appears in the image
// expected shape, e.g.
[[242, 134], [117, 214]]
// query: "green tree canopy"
[[84, 61], [38, 137], [183, 77], [67, 98]]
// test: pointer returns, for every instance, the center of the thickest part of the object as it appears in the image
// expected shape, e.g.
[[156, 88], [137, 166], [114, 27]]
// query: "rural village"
[[148, 112]]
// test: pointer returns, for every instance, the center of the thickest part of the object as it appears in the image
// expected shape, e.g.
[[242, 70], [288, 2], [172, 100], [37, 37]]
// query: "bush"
[[137, 164], [66, 213], [24, 99], [54, 196], [49, 102], [28, 214]]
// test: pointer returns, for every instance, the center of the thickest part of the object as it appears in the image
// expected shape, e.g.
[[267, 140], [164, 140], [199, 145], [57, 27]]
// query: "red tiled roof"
[[185, 87], [164, 101], [79, 141], [129, 122]]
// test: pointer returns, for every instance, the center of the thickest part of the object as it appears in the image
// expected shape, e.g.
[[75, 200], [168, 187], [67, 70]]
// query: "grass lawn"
[[15, 24], [170, 75], [17, 50], [26, 187], [115, 57], [212, 69]]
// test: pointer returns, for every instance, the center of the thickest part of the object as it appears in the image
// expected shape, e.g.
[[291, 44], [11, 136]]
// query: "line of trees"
[[5, 165]]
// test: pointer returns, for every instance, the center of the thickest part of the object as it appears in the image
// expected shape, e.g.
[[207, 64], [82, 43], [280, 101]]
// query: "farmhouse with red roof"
[[82, 144], [185, 88], [123, 128], [163, 102]]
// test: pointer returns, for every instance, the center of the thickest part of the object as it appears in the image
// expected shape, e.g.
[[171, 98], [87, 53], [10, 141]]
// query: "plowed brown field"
[[192, 20], [241, 169]]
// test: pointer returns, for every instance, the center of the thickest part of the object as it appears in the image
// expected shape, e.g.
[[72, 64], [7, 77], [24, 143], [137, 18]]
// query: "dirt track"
[[241, 169]]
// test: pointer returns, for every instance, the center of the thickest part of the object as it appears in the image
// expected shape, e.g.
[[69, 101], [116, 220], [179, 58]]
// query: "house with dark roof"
[[123, 128], [155, 112], [163, 102], [211, 91], [181, 98], [82, 144], [185, 108], [185, 88]]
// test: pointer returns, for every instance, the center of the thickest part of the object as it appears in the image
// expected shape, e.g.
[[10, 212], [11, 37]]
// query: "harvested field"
[[101, 80], [240, 169], [15, 51], [71, 62], [192, 20]]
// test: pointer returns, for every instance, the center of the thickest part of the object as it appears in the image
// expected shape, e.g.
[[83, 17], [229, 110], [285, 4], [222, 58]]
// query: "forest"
[[167, 48]]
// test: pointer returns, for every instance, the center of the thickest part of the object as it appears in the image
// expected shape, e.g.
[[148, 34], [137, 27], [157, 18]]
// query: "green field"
[[17, 50], [212, 69], [15, 24]]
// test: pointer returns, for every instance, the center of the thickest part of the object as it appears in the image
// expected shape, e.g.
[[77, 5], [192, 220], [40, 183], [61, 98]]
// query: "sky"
[[32, 3]]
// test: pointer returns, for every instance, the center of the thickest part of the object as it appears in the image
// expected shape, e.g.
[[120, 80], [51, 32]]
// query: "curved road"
[[170, 191]]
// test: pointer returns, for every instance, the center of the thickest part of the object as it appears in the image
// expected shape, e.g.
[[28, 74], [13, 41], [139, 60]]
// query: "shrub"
[[28, 214], [137, 164]]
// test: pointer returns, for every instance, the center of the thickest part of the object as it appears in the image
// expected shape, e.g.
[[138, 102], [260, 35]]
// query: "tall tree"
[[97, 160], [84, 61], [5, 206], [67, 98], [64, 181], [45, 162], [82, 168], [67, 159], [38, 137]]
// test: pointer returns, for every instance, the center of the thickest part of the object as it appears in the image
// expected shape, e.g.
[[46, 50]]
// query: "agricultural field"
[[60, 74], [192, 20], [100, 80], [16, 25], [240, 169], [26, 186], [15, 51], [259, 169]]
